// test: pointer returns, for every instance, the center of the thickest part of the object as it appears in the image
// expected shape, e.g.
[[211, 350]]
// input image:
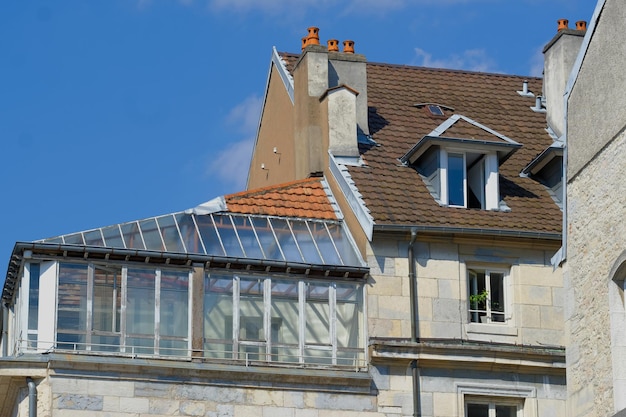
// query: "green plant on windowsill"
[[477, 299]]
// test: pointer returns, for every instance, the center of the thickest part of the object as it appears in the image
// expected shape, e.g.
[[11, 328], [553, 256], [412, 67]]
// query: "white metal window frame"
[[331, 347], [506, 298], [122, 333], [475, 393], [490, 180]]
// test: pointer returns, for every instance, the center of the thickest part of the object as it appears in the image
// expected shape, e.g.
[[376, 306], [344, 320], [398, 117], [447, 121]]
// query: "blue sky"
[[117, 110]]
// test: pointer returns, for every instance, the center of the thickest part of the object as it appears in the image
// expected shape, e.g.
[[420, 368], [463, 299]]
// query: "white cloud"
[[470, 59], [230, 164], [246, 114], [536, 63]]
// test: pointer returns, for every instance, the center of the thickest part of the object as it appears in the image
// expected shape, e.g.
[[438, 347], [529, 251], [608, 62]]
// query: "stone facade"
[[594, 312]]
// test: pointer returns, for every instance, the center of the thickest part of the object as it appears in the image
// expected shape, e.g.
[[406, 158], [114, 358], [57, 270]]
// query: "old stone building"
[[391, 257], [596, 238]]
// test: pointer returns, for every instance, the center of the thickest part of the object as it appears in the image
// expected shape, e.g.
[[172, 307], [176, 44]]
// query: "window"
[[467, 179], [485, 408], [283, 319], [487, 298], [118, 309]]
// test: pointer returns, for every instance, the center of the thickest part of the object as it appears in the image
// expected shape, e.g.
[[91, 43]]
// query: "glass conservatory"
[[217, 286]]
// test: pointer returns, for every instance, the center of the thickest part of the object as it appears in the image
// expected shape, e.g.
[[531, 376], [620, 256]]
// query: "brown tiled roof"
[[302, 198], [397, 195]]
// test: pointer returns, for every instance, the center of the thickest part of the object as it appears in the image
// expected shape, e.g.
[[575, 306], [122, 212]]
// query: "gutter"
[[4, 339], [417, 407], [468, 231]]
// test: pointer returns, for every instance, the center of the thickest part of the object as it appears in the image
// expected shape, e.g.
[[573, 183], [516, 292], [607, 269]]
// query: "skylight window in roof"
[[305, 241], [435, 110]]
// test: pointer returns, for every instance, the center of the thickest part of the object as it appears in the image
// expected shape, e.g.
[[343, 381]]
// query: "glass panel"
[[93, 238], [251, 309], [218, 316], [33, 297], [286, 241], [312, 355], [284, 315], [54, 240], [132, 237], [496, 281], [189, 233], [106, 299], [151, 235], [305, 241], [228, 236], [317, 314], [349, 313], [245, 231], [209, 236], [174, 304], [506, 411], [477, 410], [477, 297], [140, 308], [266, 237], [105, 343], [456, 180], [75, 239], [140, 345], [72, 306], [170, 234], [173, 347], [325, 243], [112, 237], [343, 244]]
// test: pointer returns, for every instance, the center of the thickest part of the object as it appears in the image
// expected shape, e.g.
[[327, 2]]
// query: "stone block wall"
[[596, 238], [534, 292]]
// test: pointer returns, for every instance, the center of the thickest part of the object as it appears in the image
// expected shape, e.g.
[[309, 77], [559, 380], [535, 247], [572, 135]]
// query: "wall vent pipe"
[[32, 397]]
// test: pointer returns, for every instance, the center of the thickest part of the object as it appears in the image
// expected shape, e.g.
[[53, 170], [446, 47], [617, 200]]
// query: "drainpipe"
[[32, 397], [417, 408]]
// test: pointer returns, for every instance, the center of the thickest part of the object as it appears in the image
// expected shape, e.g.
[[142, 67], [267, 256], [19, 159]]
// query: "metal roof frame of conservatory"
[[222, 239]]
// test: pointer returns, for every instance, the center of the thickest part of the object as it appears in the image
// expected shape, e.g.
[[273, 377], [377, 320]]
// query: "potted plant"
[[477, 301]]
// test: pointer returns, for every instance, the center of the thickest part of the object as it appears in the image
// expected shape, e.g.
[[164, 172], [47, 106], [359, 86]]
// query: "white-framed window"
[[487, 298], [492, 407], [469, 179], [283, 319]]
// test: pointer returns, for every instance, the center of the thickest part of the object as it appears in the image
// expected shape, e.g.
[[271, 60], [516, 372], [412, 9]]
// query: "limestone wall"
[[596, 238], [534, 291]]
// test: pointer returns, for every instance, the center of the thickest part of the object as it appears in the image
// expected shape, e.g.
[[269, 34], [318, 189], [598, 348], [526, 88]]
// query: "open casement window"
[[487, 298], [477, 407], [283, 319], [469, 179]]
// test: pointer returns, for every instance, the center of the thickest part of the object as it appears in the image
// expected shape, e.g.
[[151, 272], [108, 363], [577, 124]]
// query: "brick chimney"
[[559, 57]]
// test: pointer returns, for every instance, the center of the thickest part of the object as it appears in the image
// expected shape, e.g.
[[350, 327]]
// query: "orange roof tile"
[[303, 198]]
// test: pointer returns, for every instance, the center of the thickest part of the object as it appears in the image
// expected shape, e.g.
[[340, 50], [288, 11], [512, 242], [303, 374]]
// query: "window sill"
[[487, 328]]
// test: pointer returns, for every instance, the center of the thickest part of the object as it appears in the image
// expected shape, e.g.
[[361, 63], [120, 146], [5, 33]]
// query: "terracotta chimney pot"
[[348, 47], [581, 25], [562, 24], [304, 42], [314, 37], [333, 45]]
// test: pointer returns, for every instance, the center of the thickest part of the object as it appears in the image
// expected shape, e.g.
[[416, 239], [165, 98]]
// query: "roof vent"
[[562, 24], [525, 92]]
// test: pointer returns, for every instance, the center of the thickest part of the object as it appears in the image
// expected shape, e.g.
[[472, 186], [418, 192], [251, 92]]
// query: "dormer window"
[[547, 168], [462, 171], [472, 179]]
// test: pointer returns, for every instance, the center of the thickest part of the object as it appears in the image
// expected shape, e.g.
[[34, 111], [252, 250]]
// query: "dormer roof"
[[461, 131]]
